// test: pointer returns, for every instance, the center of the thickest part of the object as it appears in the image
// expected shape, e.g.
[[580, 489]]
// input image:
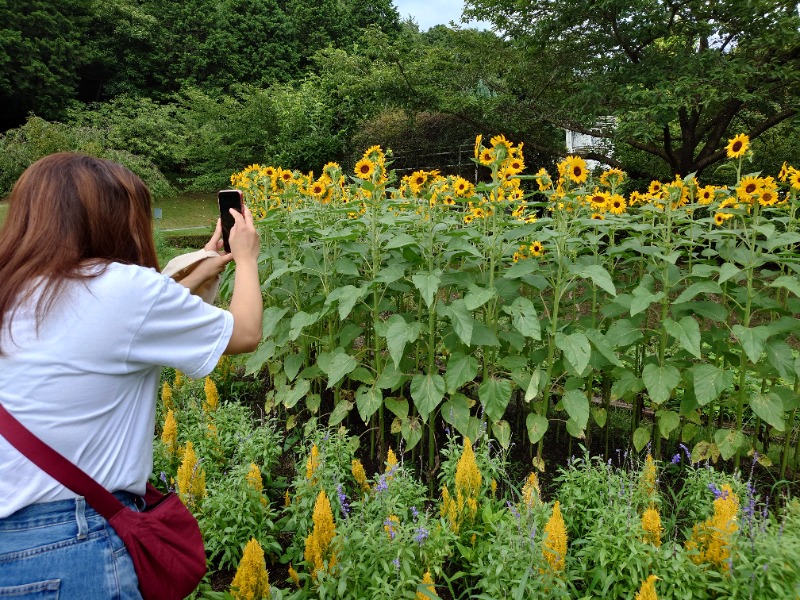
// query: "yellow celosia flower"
[[191, 478], [294, 576], [287, 500], [391, 460], [359, 474], [166, 396], [313, 462], [712, 540], [651, 524], [254, 478], [554, 546], [647, 481], [251, 581], [212, 397], [169, 435], [427, 581], [319, 540], [179, 380], [390, 526], [468, 476], [737, 146], [648, 589], [493, 486], [531, 494]]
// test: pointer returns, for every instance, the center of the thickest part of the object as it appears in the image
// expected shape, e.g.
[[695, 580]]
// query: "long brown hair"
[[66, 211]]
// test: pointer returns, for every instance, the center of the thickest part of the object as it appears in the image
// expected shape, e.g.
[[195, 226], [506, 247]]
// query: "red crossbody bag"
[[163, 540]]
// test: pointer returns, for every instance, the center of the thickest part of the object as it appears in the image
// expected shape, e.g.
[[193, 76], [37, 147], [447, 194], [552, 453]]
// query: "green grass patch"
[[188, 210]]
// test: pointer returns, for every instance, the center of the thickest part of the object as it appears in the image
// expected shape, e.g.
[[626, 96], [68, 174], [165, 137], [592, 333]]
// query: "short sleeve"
[[181, 331]]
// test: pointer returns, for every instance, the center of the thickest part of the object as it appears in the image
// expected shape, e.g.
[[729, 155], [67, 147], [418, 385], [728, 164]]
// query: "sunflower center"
[[737, 145]]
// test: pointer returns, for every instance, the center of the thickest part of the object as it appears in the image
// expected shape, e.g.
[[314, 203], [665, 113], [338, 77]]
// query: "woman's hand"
[[244, 240], [215, 243]]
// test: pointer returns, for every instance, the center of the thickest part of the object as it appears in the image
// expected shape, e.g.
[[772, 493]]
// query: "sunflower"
[[462, 187], [270, 172], [655, 188], [737, 146], [486, 157], [598, 200], [748, 188], [317, 188], [794, 178], [478, 146], [479, 213], [500, 140], [416, 180], [543, 179], [449, 201], [705, 195], [536, 248], [721, 217], [612, 177], [598, 217], [364, 168], [285, 175], [514, 166], [768, 197], [468, 218], [616, 204], [784, 172], [576, 169]]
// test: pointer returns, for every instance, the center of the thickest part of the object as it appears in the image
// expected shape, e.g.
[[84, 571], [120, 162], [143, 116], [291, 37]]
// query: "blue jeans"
[[64, 550]]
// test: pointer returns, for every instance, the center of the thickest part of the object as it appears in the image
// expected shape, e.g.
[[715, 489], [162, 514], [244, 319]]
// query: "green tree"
[[679, 77], [40, 53]]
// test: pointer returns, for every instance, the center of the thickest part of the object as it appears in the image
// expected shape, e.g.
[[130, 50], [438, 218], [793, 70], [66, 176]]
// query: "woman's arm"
[[246, 306]]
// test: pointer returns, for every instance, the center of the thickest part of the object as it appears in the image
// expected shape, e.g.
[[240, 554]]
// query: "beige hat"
[[180, 266]]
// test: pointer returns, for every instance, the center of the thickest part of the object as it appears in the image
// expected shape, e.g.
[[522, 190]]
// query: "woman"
[[86, 323]]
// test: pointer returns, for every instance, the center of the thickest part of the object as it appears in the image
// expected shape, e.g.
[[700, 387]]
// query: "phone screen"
[[228, 199]]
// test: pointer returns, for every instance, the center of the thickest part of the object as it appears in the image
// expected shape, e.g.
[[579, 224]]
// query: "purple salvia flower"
[[389, 524], [686, 451], [396, 563], [414, 512], [342, 500], [676, 459], [421, 535]]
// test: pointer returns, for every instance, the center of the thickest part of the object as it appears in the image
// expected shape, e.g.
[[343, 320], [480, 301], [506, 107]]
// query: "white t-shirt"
[[87, 383]]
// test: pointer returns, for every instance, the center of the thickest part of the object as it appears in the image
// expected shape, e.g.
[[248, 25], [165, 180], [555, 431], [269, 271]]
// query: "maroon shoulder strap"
[[58, 467]]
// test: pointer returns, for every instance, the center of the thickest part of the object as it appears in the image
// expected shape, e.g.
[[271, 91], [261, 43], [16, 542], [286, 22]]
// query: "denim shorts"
[[64, 550]]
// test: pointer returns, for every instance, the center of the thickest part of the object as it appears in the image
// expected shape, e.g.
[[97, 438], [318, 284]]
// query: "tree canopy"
[[677, 76]]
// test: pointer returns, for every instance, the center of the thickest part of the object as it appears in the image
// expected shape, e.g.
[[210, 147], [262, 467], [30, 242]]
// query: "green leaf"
[[524, 317], [462, 320], [728, 441], [601, 344], [401, 239], [668, 421], [461, 369], [398, 334], [299, 321], [701, 287], [494, 395], [599, 277], [787, 282], [575, 430], [290, 396], [643, 298], [362, 375], [391, 273], [752, 339], [336, 365], [398, 406], [389, 378], [537, 427], [292, 364], [428, 286], [576, 350], [769, 406], [705, 450], [478, 296], [728, 271], [626, 383], [455, 411], [339, 412], [640, 438], [709, 382], [577, 406], [427, 391], [411, 430], [256, 360], [502, 433], [368, 400], [270, 320], [687, 332], [623, 333], [780, 356], [600, 416], [533, 385], [660, 381]]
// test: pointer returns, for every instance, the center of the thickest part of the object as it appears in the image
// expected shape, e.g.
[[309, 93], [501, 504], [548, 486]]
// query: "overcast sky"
[[428, 13]]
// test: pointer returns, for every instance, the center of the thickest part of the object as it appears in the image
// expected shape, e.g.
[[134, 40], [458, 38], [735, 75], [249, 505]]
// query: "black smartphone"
[[228, 199]]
